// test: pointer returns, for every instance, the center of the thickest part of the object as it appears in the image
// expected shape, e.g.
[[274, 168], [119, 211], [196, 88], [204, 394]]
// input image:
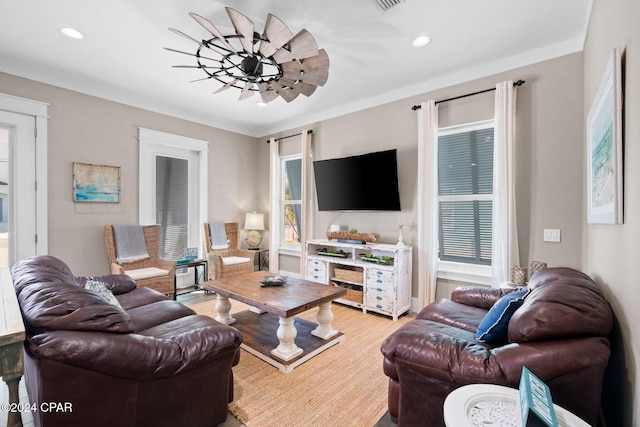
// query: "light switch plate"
[[552, 235]]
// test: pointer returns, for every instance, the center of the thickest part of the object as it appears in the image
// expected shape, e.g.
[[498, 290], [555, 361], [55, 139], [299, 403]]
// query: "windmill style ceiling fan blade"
[[304, 88], [286, 94], [267, 94], [226, 86], [208, 25], [301, 46], [244, 28], [276, 33], [314, 70], [180, 33], [246, 91], [189, 53]]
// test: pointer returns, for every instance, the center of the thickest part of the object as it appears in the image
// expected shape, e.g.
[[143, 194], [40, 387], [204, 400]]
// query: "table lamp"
[[253, 222]]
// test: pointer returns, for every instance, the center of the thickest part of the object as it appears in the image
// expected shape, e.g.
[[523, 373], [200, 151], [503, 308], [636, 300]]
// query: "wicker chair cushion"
[[146, 273], [233, 260]]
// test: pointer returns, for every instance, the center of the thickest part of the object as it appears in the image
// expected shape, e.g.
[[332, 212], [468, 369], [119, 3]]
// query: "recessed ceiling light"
[[72, 32], [261, 104], [421, 41]]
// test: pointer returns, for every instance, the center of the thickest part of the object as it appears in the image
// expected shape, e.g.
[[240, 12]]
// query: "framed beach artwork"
[[604, 148], [96, 183]]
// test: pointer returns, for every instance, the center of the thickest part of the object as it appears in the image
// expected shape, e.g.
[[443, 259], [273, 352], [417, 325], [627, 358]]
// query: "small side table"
[[199, 278], [263, 259], [488, 404]]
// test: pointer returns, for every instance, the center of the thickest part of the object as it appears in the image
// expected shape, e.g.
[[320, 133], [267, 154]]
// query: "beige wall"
[[549, 156], [611, 251], [92, 130]]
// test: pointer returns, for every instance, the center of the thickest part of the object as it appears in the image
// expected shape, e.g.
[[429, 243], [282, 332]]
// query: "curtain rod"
[[516, 83], [291, 136]]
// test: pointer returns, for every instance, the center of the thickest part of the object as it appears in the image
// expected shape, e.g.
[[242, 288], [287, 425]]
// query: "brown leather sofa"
[[150, 362], [560, 332]]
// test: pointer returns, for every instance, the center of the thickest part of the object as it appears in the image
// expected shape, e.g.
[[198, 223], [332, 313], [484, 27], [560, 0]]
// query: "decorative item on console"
[[353, 236]]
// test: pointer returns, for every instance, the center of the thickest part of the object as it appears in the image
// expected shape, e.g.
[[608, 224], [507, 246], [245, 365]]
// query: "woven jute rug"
[[342, 386]]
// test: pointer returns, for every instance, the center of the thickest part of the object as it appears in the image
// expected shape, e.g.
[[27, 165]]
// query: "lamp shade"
[[254, 221]]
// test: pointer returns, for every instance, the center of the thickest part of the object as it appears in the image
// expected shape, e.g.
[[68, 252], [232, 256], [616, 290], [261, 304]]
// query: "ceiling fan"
[[274, 63]]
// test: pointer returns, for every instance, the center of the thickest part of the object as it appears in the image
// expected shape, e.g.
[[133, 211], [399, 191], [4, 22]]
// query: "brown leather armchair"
[[143, 361], [560, 333]]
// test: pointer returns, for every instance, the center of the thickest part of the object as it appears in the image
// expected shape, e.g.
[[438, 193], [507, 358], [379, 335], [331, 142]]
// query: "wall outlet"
[[552, 235]]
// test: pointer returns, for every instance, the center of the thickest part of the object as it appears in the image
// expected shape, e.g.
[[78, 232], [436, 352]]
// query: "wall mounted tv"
[[364, 182]]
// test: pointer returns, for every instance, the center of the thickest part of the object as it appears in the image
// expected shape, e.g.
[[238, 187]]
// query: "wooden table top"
[[11, 324], [294, 297]]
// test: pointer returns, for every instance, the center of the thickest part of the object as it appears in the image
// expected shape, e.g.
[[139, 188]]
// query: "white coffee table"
[[489, 405]]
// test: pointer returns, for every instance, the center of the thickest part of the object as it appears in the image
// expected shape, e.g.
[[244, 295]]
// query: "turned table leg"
[[324, 317], [223, 307], [12, 369], [287, 349]]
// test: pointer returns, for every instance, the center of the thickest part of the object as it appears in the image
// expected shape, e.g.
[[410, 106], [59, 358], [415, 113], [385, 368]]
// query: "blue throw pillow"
[[494, 326]]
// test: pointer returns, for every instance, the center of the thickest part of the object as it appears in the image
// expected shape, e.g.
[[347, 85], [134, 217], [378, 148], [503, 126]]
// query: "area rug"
[[342, 386]]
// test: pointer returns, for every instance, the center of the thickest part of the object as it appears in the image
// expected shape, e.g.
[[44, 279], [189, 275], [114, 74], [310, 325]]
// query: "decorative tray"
[[384, 260], [273, 281], [337, 254]]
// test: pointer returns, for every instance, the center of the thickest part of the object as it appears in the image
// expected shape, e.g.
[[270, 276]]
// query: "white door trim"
[[150, 140], [38, 110]]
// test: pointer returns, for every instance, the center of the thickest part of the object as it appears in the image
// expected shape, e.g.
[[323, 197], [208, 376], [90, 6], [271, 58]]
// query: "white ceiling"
[[121, 57]]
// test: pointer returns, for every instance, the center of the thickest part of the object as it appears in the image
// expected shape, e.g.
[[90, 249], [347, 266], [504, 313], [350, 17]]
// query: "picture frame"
[[604, 148], [96, 183]]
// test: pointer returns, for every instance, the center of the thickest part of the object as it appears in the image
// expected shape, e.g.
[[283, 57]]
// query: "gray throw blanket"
[[130, 244], [218, 235]]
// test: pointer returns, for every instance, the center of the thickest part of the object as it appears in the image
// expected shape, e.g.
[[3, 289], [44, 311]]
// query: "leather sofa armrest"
[[136, 356], [416, 347], [476, 296]]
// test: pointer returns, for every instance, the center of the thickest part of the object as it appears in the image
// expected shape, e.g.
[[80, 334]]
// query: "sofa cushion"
[[494, 327], [563, 303], [65, 306], [453, 313], [146, 273], [156, 313], [233, 260]]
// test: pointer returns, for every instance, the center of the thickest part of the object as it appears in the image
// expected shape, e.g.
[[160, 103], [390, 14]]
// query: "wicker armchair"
[[216, 257], [153, 272]]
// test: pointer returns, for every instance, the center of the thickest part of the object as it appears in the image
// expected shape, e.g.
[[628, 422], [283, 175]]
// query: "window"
[[172, 205], [292, 201], [465, 193], [173, 189]]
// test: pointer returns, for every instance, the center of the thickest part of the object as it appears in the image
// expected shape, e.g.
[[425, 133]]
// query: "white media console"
[[377, 276]]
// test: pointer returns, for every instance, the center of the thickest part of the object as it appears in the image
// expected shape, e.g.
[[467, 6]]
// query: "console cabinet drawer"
[[316, 271]]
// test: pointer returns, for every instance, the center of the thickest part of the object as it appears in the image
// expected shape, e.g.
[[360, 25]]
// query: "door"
[[173, 189], [18, 205]]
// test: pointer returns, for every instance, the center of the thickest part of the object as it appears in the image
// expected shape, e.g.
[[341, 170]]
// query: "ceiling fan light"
[[72, 33], [421, 40], [261, 104]]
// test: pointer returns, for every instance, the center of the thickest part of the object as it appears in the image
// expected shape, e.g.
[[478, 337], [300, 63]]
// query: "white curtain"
[[505, 250], [306, 228], [274, 195], [427, 202]]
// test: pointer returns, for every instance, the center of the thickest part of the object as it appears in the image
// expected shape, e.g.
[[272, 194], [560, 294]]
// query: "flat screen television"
[[364, 182]]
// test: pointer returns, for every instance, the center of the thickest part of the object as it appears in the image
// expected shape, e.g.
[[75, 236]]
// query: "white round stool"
[[488, 405]]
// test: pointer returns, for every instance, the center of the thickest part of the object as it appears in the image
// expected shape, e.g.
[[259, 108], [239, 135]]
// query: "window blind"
[[172, 205], [465, 188]]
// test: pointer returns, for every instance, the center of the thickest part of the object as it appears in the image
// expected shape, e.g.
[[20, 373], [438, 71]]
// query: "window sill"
[[467, 273], [286, 250]]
